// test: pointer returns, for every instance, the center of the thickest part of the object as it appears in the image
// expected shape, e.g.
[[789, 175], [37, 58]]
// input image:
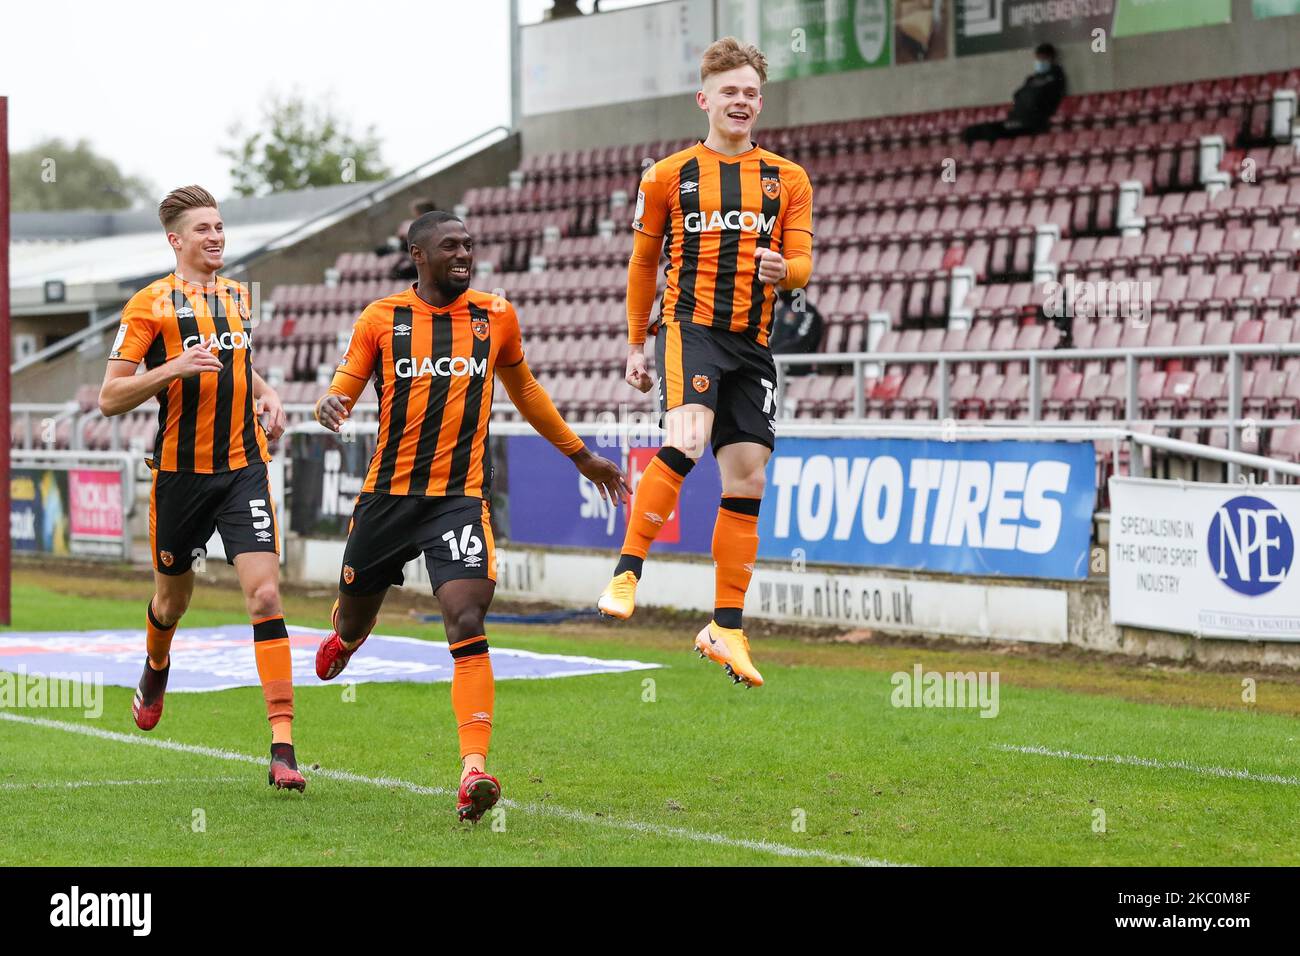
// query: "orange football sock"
[[655, 499], [473, 694], [735, 547], [275, 669], [158, 639]]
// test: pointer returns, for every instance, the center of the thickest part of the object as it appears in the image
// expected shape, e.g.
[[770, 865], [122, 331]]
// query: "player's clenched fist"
[[270, 411], [771, 266], [637, 375], [195, 360], [332, 412]]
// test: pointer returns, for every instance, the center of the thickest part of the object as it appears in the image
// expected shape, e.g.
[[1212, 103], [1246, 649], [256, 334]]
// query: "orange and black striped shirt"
[[206, 423], [714, 212], [433, 371]]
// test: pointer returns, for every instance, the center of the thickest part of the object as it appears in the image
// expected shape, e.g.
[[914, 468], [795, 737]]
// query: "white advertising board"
[[615, 57], [1206, 559], [852, 599]]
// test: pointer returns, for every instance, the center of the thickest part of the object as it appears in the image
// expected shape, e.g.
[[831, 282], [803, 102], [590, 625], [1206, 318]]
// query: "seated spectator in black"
[[796, 328], [1032, 106], [561, 9], [397, 242], [405, 267]]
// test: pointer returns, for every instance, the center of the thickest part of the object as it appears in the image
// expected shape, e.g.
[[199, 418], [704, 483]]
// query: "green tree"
[[54, 175], [299, 145]]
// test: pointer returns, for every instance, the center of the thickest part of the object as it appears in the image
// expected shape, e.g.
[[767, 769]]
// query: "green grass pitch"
[[816, 768]]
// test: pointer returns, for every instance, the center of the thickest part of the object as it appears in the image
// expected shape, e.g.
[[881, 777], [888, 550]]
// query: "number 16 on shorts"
[[466, 546]]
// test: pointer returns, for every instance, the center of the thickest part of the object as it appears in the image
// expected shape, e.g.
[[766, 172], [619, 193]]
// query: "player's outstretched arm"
[[642, 270], [123, 390], [539, 411], [603, 473]]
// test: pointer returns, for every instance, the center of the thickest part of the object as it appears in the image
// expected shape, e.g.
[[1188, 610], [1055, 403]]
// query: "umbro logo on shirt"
[[185, 312], [689, 187], [401, 330]]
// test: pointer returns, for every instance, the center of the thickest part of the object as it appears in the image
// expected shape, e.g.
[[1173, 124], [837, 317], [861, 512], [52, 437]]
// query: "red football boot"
[[147, 705], [478, 794], [283, 773], [332, 656]]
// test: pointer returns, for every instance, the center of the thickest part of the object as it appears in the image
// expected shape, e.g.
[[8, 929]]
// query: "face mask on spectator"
[[1041, 66]]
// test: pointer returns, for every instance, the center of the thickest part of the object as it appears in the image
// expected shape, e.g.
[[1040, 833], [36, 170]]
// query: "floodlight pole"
[[516, 65]]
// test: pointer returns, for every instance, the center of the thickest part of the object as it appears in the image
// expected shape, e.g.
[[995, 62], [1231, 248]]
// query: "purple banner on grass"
[[218, 658]]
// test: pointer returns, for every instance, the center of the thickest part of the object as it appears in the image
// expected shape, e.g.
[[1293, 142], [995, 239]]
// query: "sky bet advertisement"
[[1017, 509], [551, 504]]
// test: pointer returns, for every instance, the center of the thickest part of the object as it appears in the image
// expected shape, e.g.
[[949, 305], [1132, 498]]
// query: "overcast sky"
[[155, 85]]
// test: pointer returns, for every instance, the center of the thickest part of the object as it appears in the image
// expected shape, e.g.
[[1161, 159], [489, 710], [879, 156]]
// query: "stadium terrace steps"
[[1214, 269]]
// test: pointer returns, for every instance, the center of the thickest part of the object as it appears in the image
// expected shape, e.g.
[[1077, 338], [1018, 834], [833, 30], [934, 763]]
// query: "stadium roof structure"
[[90, 263], [99, 258]]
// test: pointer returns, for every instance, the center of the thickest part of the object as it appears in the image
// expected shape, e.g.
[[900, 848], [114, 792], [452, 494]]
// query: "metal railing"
[[863, 362], [50, 414], [35, 457], [1117, 435], [874, 363], [124, 462]]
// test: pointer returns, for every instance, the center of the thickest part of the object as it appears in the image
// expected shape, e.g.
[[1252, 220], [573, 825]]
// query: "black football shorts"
[[185, 508], [387, 531], [727, 371]]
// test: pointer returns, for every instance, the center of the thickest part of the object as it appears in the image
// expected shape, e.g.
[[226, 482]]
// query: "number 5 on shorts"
[[261, 517]]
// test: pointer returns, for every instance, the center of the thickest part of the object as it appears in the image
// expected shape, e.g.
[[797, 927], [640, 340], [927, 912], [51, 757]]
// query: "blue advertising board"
[[550, 503], [38, 510], [1014, 508], [1010, 508]]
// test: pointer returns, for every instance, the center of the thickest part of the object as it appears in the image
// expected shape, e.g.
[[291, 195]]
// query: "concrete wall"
[[1243, 46], [57, 379], [1091, 629], [1016, 611]]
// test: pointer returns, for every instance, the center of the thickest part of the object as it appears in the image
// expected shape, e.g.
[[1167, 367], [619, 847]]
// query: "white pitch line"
[[82, 784], [537, 809], [1226, 773]]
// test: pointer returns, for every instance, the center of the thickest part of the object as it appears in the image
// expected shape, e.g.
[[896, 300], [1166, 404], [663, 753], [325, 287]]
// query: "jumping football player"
[[433, 351], [192, 331], [739, 222]]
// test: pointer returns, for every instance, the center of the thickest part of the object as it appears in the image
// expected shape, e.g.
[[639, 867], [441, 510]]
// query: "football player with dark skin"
[[443, 253]]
